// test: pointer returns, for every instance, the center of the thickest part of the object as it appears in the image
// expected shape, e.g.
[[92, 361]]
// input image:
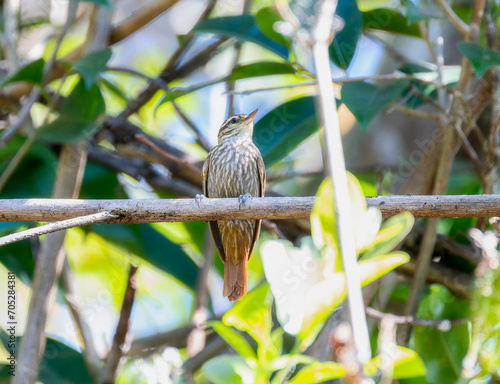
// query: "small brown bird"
[[234, 168]]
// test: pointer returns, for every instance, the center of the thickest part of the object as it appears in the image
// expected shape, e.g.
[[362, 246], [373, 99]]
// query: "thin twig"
[[197, 337], [143, 139], [200, 137], [139, 19], [463, 28], [443, 325], [57, 226], [120, 344], [89, 352], [416, 113]]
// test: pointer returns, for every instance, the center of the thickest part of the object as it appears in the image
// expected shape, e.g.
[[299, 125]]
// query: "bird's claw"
[[243, 198], [198, 198]]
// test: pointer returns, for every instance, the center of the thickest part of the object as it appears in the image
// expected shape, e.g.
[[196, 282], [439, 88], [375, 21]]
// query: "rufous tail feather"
[[235, 279]]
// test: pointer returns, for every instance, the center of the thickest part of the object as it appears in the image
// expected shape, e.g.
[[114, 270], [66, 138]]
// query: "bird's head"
[[237, 126]]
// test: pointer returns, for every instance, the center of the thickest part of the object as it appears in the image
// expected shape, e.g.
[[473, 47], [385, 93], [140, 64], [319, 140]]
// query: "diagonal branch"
[[120, 345], [57, 226], [463, 28]]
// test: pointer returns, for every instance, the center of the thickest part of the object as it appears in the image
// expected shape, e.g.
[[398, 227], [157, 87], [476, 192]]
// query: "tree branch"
[[463, 28], [57, 226], [444, 325], [119, 347], [135, 211]]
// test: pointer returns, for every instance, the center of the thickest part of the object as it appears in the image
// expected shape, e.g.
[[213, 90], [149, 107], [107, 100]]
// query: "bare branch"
[[443, 325], [139, 20], [135, 211], [48, 268], [463, 28], [57, 226], [120, 346]]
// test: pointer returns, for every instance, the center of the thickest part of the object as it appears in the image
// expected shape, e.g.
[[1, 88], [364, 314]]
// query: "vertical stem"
[[336, 165]]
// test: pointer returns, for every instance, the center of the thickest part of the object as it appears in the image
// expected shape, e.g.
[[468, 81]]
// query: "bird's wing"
[[214, 227], [262, 179]]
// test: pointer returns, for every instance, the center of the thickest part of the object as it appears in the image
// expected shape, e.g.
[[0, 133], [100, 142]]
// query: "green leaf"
[[376, 267], [426, 71], [104, 3], [389, 20], [344, 44], [366, 100], [280, 131], [79, 116], [228, 369], [91, 65], [416, 14], [407, 364], [34, 177], [100, 182], [262, 68], [234, 339], [242, 28], [146, 242], [392, 232], [252, 314], [481, 58], [60, 364], [258, 69], [266, 18], [31, 73], [442, 352], [319, 372], [324, 219]]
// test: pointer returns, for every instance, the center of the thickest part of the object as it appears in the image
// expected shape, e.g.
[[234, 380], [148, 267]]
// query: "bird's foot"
[[198, 198], [243, 198]]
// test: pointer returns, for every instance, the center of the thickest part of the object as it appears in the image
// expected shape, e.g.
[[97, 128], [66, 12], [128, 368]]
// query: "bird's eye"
[[233, 120]]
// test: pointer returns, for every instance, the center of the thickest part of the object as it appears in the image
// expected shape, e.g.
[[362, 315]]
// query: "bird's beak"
[[251, 116]]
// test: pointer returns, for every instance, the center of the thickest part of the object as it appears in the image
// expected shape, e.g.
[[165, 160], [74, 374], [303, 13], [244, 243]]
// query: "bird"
[[235, 168]]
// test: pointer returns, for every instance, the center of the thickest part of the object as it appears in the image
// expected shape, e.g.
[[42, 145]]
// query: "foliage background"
[[201, 71]]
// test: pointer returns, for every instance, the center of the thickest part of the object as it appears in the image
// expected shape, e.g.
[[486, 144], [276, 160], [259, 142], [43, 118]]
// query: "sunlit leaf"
[[79, 116], [242, 28], [258, 69], [366, 100], [228, 369], [389, 20], [392, 232], [323, 220], [318, 372], [280, 131], [345, 41], [146, 242], [234, 339], [291, 359], [31, 73], [481, 58], [261, 68], [376, 267], [407, 364], [252, 314], [266, 19], [91, 65]]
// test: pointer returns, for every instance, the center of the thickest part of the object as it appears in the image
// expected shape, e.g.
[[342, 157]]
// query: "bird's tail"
[[235, 279]]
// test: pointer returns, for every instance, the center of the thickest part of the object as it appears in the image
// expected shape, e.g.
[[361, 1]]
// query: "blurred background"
[[107, 71]]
